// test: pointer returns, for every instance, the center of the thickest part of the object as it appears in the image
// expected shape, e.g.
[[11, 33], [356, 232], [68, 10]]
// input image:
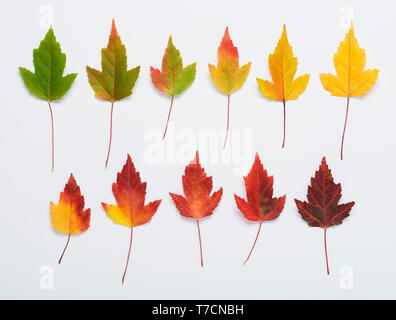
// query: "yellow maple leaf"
[[351, 79], [283, 67]]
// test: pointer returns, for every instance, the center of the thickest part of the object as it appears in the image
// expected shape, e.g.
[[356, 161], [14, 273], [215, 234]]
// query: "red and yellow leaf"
[[69, 216], [322, 209], [260, 205], [228, 76], [197, 202], [130, 194]]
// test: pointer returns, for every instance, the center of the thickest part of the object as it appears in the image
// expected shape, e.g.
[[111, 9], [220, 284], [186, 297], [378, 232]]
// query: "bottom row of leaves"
[[321, 210]]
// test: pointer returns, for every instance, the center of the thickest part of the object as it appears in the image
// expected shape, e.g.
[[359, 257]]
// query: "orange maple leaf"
[[197, 202], [130, 193], [69, 216], [228, 76]]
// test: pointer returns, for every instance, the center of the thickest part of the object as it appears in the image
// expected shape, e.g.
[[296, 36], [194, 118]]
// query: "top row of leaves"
[[115, 81]]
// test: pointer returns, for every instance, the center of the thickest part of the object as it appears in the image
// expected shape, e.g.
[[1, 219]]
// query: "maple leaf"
[[69, 216], [197, 202], [173, 79], [47, 82], [115, 82], [283, 67], [351, 80], [130, 194], [261, 206], [228, 76], [322, 209]]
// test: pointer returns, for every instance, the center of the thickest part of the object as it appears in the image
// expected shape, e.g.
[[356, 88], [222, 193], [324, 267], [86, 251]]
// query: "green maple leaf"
[[115, 81], [47, 82], [173, 79]]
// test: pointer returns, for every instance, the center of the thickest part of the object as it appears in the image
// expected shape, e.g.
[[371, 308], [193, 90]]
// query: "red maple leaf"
[[261, 206], [130, 194], [197, 202], [322, 209]]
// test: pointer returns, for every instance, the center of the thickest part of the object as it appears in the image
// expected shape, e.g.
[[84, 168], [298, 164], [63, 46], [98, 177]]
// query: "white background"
[[288, 261]]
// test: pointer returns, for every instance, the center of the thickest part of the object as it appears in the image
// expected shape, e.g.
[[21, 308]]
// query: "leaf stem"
[[254, 244], [325, 245], [68, 238], [129, 254], [284, 123], [167, 121], [200, 242], [111, 132], [228, 121], [343, 134], [64, 250], [52, 130]]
